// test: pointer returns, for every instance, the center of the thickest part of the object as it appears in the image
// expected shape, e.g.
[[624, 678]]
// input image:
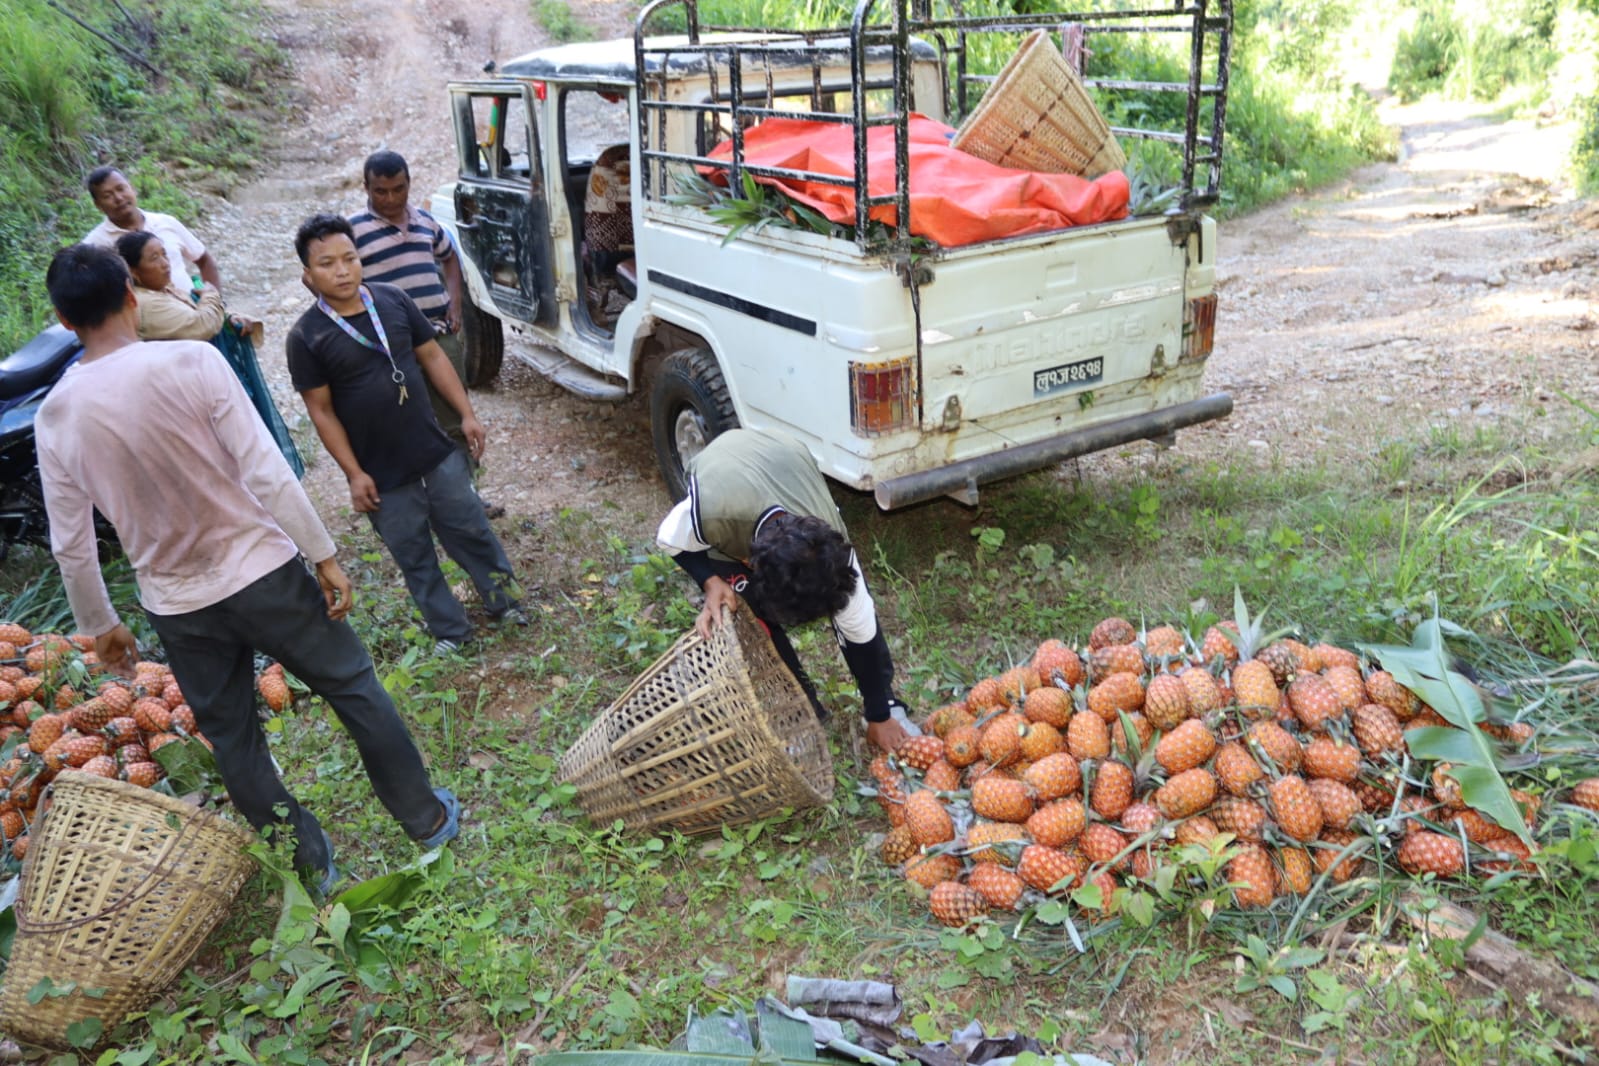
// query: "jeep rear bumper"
[[962, 479]]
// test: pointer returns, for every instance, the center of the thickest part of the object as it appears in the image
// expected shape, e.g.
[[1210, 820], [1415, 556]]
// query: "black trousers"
[[211, 652]]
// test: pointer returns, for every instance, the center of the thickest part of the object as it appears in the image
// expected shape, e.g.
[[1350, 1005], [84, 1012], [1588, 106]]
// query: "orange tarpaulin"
[[956, 198]]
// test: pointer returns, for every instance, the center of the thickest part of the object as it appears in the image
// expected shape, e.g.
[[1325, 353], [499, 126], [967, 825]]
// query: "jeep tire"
[[482, 342], [689, 407]]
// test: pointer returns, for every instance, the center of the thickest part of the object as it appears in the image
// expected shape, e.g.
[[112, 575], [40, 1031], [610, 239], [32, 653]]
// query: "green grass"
[[543, 930], [68, 103], [558, 19]]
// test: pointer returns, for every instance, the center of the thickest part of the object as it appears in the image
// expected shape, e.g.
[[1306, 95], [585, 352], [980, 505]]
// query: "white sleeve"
[[857, 622], [193, 247], [677, 530]]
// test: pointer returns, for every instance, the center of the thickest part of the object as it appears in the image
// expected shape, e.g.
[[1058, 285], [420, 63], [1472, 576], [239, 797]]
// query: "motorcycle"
[[26, 378]]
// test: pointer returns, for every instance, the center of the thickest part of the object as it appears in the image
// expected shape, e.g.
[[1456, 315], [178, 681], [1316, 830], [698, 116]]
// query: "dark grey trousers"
[[443, 503], [211, 652]]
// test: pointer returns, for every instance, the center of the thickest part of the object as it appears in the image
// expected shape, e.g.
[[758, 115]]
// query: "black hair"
[[130, 246], [98, 177], [319, 227], [384, 164], [800, 569], [87, 285]]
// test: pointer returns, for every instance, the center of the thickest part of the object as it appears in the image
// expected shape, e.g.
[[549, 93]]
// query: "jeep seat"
[[627, 278]]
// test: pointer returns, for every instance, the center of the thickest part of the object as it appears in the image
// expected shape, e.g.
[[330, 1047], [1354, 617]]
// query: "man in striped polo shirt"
[[404, 246]]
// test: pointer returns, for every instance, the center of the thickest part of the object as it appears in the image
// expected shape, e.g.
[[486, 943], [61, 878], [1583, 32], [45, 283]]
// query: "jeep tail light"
[[1199, 328], [882, 396]]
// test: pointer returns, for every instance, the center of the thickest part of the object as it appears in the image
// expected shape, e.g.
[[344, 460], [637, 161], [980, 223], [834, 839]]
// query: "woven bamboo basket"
[[715, 733], [1038, 116], [120, 888]]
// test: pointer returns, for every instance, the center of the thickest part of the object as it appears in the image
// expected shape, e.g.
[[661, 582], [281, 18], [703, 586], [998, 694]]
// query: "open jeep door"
[[500, 210]]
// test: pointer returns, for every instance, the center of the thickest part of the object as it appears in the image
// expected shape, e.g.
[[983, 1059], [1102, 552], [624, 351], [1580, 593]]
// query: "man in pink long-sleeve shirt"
[[161, 438]]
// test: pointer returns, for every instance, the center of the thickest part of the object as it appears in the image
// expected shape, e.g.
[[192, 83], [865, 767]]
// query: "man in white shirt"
[[215, 525], [113, 194]]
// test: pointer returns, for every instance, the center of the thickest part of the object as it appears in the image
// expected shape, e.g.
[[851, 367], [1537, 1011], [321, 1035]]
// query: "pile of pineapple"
[[1088, 768], [112, 728]]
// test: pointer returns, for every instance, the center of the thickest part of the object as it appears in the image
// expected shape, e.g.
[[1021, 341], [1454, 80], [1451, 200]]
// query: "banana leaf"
[[1424, 668]]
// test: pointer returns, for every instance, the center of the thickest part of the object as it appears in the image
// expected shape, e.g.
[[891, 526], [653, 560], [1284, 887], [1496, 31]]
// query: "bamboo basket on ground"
[[1038, 116], [120, 888], [715, 733]]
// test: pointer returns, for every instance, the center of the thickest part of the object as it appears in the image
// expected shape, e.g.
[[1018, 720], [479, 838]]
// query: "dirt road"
[[1457, 285]]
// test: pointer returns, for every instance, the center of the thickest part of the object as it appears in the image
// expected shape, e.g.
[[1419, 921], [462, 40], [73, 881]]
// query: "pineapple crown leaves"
[[1252, 634], [1425, 667]]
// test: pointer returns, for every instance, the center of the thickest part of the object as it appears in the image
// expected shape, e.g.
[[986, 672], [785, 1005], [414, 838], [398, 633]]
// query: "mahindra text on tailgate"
[[1043, 321]]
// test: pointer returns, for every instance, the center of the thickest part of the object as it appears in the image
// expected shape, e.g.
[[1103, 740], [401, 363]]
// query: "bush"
[[1475, 51], [1585, 152]]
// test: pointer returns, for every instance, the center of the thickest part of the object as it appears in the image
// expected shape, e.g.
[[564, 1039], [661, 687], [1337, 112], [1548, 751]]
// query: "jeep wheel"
[[483, 342], [689, 407]]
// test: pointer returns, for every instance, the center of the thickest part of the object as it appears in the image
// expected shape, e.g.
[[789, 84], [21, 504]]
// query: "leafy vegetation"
[[175, 101]]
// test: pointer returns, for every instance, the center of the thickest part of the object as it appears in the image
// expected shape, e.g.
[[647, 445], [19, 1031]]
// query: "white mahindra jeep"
[[909, 370]]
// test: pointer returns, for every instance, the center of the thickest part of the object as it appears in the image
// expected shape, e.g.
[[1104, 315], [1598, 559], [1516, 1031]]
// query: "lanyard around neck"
[[398, 377]]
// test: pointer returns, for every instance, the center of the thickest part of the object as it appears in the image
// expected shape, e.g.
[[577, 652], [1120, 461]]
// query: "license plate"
[[1068, 376]]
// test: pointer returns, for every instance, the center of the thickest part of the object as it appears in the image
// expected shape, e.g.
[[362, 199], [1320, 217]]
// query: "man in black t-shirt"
[[363, 358]]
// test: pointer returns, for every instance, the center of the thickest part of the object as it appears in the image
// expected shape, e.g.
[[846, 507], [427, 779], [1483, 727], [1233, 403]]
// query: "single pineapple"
[[1331, 759], [1383, 689], [897, 846], [949, 717], [1118, 692], [15, 635], [1377, 731], [1445, 789], [1330, 656], [1003, 799], [1191, 744], [1204, 695], [1057, 823], [118, 698], [1164, 642], [930, 870], [994, 841], [153, 715], [1166, 702], [1140, 818], [1087, 736], [48, 728], [1585, 793], [927, 819], [1329, 848], [1253, 877], [942, 777], [1236, 769], [1219, 644], [100, 766], [1041, 740], [1000, 887], [1313, 701], [1243, 818], [1271, 742], [1113, 789], [962, 746], [919, 752], [1130, 730], [1055, 776], [1196, 830], [91, 715], [1431, 853], [1101, 844], [1057, 663], [1051, 870], [1112, 630], [1001, 740], [1186, 793], [80, 749], [1338, 802], [987, 696], [956, 905], [1294, 807], [1048, 705], [1347, 685], [1297, 872]]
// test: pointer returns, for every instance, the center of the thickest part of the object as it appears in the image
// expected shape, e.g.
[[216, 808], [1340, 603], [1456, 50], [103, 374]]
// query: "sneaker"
[[493, 510], [452, 821], [511, 615], [330, 876], [452, 647]]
